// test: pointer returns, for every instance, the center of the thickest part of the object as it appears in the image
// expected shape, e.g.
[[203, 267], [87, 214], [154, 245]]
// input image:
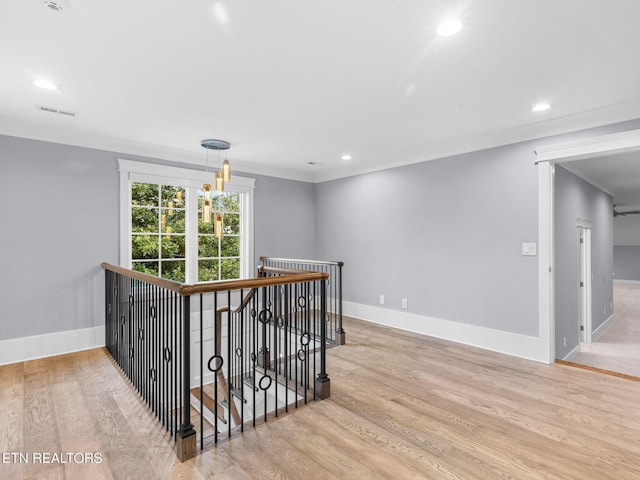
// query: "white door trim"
[[547, 156], [584, 292]]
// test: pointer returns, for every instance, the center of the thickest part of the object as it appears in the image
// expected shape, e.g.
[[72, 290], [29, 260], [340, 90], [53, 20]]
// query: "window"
[[162, 229], [158, 234], [219, 258]]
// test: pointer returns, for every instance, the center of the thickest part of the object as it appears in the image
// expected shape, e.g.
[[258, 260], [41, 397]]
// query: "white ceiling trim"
[[590, 147], [317, 174]]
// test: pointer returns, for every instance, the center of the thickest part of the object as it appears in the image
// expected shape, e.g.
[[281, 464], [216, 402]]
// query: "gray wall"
[[626, 229], [284, 218], [626, 250], [626, 262], [445, 234], [60, 221], [575, 198]]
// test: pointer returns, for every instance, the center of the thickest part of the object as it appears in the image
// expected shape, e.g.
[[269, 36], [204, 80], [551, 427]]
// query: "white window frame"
[[192, 180]]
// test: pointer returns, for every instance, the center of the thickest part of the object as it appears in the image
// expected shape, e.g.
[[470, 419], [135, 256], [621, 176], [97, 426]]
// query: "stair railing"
[[224, 366], [333, 269]]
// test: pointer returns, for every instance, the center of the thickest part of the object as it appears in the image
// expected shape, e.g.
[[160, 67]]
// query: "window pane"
[[144, 219], [207, 246], [230, 268], [231, 224], [172, 197], [205, 227], [230, 246], [173, 246], [150, 268], [174, 270], [144, 194], [144, 247], [229, 202], [174, 219], [207, 270]]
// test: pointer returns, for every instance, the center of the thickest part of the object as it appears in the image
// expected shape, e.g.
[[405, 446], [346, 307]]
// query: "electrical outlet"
[[381, 299], [404, 303]]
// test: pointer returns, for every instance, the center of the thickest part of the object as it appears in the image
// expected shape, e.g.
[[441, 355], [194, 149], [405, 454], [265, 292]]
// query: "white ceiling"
[[617, 174], [292, 82]]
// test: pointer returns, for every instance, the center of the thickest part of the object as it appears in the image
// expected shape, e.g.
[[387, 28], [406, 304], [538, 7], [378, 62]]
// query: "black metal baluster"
[[161, 362], [154, 367], [202, 374], [297, 330], [176, 378], [180, 356], [166, 357], [240, 371], [171, 404], [229, 390], [314, 333], [287, 341], [276, 336], [307, 339], [133, 338], [215, 374], [254, 327]]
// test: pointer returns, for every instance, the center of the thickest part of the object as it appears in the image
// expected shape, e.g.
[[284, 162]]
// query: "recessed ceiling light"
[[44, 83], [540, 107], [449, 27], [346, 156]]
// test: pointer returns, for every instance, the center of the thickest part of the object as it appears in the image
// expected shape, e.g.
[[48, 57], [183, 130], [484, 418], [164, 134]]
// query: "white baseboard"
[[51, 344], [632, 282], [523, 346], [601, 329], [571, 356]]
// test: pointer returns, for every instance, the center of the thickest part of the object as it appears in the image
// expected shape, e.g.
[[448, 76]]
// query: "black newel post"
[[323, 383], [186, 444], [340, 336]]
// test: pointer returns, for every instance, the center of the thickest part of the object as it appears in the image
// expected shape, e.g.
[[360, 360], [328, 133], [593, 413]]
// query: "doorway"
[[546, 157]]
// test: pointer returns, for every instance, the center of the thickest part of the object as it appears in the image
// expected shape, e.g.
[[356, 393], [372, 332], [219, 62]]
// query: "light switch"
[[529, 249]]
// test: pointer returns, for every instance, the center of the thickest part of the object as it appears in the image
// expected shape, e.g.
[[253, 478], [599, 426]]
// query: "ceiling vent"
[[65, 113], [55, 5]]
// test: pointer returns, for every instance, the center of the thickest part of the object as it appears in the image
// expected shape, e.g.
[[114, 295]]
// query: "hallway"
[[618, 348]]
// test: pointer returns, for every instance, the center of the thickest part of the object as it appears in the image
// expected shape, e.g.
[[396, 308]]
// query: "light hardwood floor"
[[618, 348], [402, 406]]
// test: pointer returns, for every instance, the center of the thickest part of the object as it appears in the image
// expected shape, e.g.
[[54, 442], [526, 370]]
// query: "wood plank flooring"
[[402, 406]]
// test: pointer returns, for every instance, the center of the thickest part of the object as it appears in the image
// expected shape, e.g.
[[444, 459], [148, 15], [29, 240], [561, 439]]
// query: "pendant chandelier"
[[222, 176]]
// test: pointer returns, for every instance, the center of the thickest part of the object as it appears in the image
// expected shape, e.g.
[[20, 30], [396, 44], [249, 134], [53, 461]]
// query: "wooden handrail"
[[150, 279], [298, 260], [219, 286], [224, 285]]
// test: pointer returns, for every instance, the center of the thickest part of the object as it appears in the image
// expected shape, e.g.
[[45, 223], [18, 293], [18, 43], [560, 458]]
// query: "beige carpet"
[[618, 348]]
